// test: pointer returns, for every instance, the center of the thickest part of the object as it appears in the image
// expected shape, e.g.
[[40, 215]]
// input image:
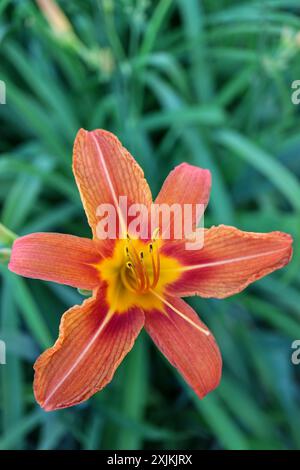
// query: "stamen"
[[153, 270], [137, 265], [155, 263], [155, 234], [157, 266], [136, 277], [126, 281], [145, 272]]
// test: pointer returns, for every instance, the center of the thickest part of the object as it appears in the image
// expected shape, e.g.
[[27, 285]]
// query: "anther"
[[155, 233]]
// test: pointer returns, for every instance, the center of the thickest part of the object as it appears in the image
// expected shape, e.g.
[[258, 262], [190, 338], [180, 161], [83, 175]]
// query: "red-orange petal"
[[186, 184], [194, 353], [65, 259], [104, 171], [229, 260], [91, 345]]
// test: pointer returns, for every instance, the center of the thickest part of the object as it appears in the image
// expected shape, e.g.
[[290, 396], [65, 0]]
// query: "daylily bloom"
[[137, 283]]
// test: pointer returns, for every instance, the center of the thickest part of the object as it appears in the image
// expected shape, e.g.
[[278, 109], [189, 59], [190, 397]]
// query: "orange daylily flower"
[[137, 283]]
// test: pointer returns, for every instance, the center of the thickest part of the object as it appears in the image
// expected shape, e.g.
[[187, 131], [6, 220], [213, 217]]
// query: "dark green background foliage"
[[207, 82]]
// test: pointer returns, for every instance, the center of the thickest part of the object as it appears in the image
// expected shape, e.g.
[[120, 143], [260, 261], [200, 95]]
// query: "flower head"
[[137, 281]]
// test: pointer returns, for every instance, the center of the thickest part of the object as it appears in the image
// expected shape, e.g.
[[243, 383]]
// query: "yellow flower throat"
[[135, 272]]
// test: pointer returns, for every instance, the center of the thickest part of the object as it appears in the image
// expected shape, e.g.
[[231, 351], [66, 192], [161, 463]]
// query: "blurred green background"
[[207, 82]]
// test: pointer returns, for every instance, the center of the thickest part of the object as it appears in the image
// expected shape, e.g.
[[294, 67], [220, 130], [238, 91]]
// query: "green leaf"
[[10, 439], [7, 237], [154, 25], [272, 169], [29, 310], [205, 115], [11, 374], [134, 394], [228, 433]]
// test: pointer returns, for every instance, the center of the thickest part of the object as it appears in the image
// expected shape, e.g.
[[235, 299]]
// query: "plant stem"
[[7, 237]]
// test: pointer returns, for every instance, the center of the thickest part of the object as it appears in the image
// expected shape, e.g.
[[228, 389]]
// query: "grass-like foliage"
[[207, 82]]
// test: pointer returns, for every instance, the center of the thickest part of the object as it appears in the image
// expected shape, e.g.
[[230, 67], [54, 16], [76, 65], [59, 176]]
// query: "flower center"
[[134, 271], [141, 270]]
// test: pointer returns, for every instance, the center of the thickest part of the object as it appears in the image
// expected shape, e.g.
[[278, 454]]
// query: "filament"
[[141, 270]]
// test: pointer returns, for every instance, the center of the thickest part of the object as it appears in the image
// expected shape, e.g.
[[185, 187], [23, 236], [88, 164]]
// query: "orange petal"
[[186, 184], [91, 344], [56, 257], [104, 171], [187, 344], [229, 260]]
